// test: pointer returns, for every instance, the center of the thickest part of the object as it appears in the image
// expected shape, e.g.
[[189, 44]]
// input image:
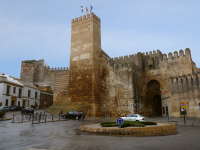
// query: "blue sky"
[[41, 29]]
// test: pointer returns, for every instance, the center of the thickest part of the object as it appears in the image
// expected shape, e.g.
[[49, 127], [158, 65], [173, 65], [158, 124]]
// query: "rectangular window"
[[8, 90], [14, 89], [20, 92], [18, 103], [6, 102], [29, 93], [163, 110], [28, 103], [35, 94]]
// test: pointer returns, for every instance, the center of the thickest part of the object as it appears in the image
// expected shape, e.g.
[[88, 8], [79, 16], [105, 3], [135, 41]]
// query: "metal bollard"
[[168, 118], [33, 119], [82, 119], [39, 118], [45, 118], [184, 119], [107, 116], [36, 116], [59, 117], [52, 117]]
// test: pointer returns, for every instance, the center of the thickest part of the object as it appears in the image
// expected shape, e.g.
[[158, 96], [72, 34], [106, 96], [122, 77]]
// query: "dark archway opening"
[[157, 106], [154, 98]]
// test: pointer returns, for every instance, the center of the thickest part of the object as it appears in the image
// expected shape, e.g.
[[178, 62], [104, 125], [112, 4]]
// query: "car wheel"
[[63, 117], [137, 120]]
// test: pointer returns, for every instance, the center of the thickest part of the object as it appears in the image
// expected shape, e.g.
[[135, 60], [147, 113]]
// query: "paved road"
[[64, 135]]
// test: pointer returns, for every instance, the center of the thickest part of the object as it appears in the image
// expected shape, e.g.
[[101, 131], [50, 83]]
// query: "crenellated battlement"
[[124, 57], [177, 55], [187, 81], [155, 53], [84, 17], [56, 69]]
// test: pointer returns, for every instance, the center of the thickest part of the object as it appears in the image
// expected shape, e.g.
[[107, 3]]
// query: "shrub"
[[2, 113], [110, 125], [107, 123], [127, 124], [137, 124], [149, 123]]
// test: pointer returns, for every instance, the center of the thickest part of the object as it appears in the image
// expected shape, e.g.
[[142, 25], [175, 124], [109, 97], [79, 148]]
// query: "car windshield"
[[129, 115], [1, 106], [140, 115]]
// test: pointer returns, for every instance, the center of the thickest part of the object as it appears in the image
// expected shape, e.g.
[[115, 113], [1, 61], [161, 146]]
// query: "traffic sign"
[[120, 121], [45, 102]]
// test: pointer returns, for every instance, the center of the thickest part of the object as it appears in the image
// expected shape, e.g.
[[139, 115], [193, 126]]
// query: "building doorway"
[[154, 103], [24, 103], [157, 105], [13, 101]]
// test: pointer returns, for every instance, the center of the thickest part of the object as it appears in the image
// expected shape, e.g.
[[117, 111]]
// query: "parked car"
[[134, 117], [27, 110], [73, 114], [4, 108], [15, 108]]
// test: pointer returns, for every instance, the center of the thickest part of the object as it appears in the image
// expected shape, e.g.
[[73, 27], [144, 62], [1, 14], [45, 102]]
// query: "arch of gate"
[[154, 103]]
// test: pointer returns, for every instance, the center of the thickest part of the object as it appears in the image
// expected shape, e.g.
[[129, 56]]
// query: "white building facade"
[[15, 92]]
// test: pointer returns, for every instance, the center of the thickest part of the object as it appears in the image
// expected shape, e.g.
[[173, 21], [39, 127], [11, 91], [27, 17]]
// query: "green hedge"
[[127, 124], [2, 113], [149, 123], [107, 123]]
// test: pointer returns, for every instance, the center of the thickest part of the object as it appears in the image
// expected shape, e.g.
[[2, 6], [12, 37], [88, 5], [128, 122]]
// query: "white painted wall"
[[1, 91], [166, 102], [31, 99]]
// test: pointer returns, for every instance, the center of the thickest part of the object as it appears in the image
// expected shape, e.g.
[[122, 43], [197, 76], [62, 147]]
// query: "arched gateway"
[[154, 98]]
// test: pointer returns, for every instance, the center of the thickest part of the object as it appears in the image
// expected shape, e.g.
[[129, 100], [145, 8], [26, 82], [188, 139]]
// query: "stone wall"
[[185, 89], [131, 84], [46, 97]]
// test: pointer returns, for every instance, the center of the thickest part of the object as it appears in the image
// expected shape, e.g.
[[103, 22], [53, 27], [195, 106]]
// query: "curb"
[[165, 129], [5, 119]]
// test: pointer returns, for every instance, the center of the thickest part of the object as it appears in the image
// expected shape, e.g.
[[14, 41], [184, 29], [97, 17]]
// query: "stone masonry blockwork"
[[151, 83]]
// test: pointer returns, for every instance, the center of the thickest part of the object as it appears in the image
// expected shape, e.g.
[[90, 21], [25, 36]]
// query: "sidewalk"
[[178, 121]]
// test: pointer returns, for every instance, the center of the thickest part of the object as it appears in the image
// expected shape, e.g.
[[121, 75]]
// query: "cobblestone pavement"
[[64, 135]]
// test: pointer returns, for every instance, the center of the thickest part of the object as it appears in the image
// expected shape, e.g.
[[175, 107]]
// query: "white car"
[[134, 117], [4, 108]]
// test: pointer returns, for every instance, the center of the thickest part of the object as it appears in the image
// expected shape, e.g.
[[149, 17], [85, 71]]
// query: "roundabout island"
[[161, 129]]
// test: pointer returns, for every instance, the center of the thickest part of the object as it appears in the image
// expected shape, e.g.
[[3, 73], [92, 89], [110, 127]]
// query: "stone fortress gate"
[[150, 84]]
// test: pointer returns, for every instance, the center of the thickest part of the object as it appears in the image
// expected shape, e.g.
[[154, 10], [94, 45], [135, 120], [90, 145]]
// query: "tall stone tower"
[[84, 75]]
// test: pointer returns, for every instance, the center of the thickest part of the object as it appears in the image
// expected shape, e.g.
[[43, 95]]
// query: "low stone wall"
[[150, 130]]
